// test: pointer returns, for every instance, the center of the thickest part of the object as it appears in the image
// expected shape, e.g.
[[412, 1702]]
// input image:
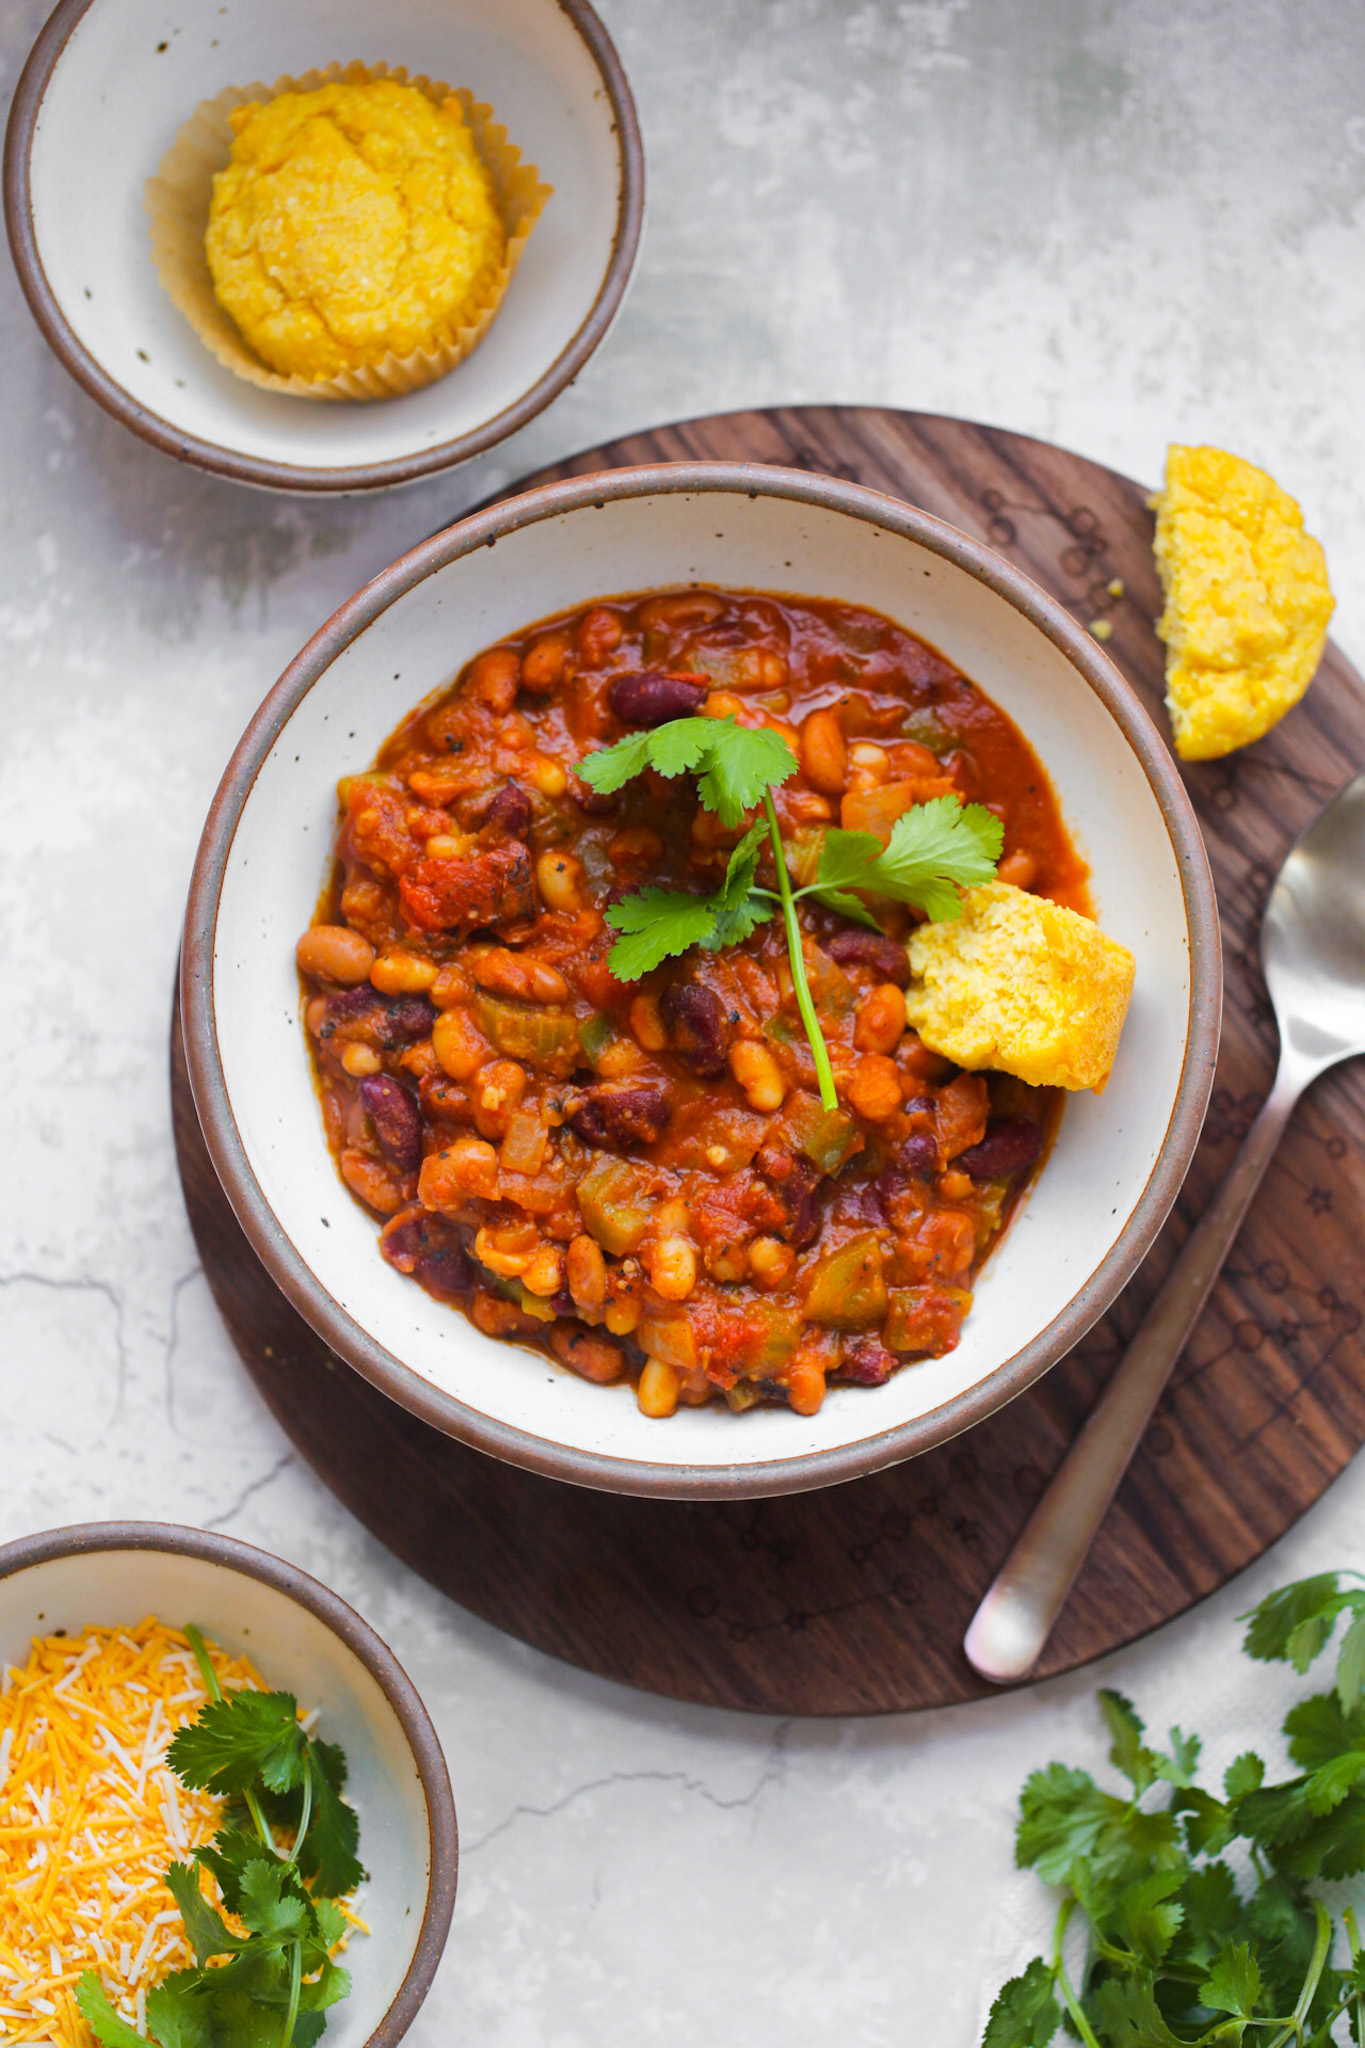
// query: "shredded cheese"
[[90, 1817]]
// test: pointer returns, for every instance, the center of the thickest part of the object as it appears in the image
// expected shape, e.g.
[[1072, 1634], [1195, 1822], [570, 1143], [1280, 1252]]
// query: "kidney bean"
[[428, 1248], [649, 697], [615, 1113], [503, 813], [1011, 1145], [886, 957], [694, 1017], [397, 1124], [918, 1155], [597, 803], [407, 1020], [865, 1364], [348, 1008], [796, 1191]]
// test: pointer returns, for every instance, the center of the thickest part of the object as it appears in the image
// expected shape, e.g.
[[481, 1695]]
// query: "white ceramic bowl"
[[1119, 1158], [303, 1640], [108, 84]]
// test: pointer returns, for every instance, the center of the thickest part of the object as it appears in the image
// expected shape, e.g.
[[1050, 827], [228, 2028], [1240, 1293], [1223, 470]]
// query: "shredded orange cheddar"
[[90, 1818]]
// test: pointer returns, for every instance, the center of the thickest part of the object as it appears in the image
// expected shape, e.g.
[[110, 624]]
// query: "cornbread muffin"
[[1247, 601], [354, 222], [1020, 984]]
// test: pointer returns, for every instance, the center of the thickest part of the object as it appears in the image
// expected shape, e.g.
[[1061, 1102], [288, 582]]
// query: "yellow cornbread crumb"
[[353, 222], [1020, 984], [1247, 600]]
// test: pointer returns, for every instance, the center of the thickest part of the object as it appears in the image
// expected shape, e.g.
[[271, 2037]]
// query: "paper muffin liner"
[[177, 199]]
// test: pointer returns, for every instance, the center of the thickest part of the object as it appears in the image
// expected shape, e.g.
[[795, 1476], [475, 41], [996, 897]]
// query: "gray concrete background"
[[1115, 225]]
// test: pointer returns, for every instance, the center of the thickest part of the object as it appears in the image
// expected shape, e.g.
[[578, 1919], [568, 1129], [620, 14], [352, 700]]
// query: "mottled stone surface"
[[1111, 224]]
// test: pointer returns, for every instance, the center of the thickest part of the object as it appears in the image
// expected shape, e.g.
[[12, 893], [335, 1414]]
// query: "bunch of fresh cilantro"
[[1182, 1949], [269, 1987], [936, 848]]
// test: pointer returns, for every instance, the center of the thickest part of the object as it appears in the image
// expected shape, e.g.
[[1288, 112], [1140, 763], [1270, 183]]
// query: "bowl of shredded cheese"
[[114, 1640]]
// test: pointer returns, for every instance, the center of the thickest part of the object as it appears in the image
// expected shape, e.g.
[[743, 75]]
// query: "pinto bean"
[[333, 952], [512, 974], [649, 697], [615, 1113], [1011, 1145], [394, 1115], [857, 948], [697, 1024]]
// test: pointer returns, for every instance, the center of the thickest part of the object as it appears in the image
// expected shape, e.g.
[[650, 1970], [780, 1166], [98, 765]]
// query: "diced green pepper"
[[595, 1034], [848, 1288], [534, 1305], [743, 1394], [612, 1206], [524, 1031], [827, 1137], [776, 1339]]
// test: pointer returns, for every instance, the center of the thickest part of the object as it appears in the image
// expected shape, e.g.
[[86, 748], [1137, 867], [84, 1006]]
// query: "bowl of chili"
[[1026, 704]]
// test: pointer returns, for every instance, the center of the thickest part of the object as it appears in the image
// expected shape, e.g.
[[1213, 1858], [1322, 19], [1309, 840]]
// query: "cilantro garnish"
[[269, 1987], [936, 849], [1178, 1953]]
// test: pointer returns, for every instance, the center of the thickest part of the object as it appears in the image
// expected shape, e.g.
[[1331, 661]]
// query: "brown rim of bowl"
[[80, 1539], [626, 1475], [42, 61]]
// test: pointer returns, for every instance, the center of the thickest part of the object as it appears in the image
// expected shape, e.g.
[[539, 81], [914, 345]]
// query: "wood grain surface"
[[854, 1600]]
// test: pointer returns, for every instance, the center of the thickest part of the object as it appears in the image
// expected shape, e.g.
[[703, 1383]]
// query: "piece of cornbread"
[[1020, 984], [353, 223], [1247, 600]]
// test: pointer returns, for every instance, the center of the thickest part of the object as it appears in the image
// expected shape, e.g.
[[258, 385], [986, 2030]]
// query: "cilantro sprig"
[[271, 1986], [1178, 1953], [935, 849]]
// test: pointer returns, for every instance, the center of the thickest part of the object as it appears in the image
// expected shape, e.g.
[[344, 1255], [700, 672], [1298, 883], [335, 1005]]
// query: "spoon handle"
[[1014, 1621]]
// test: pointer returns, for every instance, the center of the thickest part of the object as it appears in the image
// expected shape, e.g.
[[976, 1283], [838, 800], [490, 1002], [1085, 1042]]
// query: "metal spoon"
[[1313, 953]]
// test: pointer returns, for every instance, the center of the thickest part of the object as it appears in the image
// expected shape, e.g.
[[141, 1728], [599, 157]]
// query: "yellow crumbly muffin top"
[[1020, 984], [352, 222], [1247, 600]]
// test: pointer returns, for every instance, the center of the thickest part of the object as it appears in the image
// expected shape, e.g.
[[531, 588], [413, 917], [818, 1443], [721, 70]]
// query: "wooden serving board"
[[854, 1600]]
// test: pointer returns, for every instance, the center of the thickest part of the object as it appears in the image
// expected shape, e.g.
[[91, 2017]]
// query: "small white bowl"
[[1119, 1158], [304, 1640], [105, 90]]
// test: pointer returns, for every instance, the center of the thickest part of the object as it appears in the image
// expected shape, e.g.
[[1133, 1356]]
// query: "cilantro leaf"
[[1233, 1985], [657, 923], [233, 1741], [935, 849], [179, 2010], [1292, 1625], [269, 1903], [1244, 1774], [1212, 1914], [1127, 1753], [1129, 2015], [1025, 2014], [1209, 1824], [105, 2023], [749, 761], [208, 1932], [327, 1855], [1147, 1915], [734, 764]]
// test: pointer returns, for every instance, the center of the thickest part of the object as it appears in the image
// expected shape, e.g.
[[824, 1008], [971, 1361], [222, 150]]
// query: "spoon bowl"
[[1313, 938]]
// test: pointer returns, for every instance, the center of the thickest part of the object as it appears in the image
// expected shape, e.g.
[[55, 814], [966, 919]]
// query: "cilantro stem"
[[829, 1095], [215, 1693], [1063, 1982], [306, 1813], [1317, 1963], [1353, 1936], [295, 1984]]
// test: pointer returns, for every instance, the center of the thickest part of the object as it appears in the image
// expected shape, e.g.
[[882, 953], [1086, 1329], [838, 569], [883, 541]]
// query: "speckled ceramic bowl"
[[304, 1640], [1119, 1158], [106, 89]]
